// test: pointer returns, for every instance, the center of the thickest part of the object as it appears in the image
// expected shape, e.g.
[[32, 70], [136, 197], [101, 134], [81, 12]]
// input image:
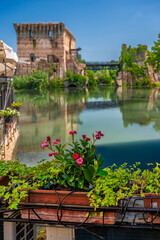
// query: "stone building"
[[43, 43]]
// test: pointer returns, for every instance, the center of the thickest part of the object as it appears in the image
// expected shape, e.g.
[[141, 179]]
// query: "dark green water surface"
[[129, 119]]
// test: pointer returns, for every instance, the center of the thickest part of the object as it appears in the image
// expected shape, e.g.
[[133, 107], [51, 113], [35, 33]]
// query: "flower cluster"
[[77, 165], [78, 159]]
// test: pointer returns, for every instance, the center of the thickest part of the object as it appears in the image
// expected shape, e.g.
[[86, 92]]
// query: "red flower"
[[58, 140], [51, 154], [79, 161], [99, 135], [85, 138], [72, 132], [75, 155]]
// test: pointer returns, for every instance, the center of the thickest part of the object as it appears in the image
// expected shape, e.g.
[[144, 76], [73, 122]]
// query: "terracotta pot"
[[154, 203], [70, 216]]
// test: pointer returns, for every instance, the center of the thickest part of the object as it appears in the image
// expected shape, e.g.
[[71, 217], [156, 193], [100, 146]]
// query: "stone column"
[[60, 233]]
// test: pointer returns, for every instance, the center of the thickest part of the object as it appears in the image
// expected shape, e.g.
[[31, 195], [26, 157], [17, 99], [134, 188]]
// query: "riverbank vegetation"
[[39, 80]]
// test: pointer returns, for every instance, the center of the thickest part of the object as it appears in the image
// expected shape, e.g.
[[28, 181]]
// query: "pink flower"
[[85, 138], [43, 145], [88, 139], [57, 153], [79, 161], [99, 135], [51, 154], [75, 155], [56, 141], [72, 132]]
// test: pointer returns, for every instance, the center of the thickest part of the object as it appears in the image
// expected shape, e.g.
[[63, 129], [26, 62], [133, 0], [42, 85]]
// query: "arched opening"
[[72, 85]]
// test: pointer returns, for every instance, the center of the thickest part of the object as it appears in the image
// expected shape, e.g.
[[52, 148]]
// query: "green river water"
[[129, 119]]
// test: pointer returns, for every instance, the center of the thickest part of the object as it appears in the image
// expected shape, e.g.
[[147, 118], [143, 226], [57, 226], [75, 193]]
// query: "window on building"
[[32, 57], [52, 58], [49, 33], [30, 33]]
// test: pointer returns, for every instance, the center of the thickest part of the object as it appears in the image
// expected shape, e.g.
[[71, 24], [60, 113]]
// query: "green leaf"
[[65, 176], [88, 173], [102, 173]]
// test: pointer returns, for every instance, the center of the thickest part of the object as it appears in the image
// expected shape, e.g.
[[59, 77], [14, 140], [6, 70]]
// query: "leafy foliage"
[[37, 81], [75, 78], [9, 112], [79, 58], [16, 104], [92, 81], [153, 57], [56, 83]]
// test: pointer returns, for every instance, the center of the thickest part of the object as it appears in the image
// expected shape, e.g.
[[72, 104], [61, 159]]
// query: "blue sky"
[[100, 26]]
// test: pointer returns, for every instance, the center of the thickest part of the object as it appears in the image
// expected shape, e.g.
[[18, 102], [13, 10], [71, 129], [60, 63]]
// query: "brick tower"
[[38, 44]]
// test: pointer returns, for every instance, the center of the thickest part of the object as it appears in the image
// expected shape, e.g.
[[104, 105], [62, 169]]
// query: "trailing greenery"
[[109, 185]]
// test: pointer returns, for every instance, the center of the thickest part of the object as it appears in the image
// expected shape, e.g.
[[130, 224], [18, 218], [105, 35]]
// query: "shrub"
[[38, 80], [75, 78], [79, 79], [56, 83], [21, 82], [69, 76], [92, 81]]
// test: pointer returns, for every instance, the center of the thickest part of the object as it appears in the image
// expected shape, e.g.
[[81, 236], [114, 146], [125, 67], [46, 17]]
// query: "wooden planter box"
[[155, 203], [69, 216]]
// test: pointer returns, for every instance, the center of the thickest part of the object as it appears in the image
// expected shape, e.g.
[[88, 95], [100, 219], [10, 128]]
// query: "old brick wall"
[[44, 41]]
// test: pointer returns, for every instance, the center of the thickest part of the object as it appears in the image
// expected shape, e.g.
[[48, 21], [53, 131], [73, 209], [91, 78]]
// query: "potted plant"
[[71, 173], [8, 114], [151, 191], [74, 177], [16, 105]]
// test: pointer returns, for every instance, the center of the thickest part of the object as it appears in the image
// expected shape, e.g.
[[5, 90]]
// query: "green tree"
[[79, 58], [153, 57]]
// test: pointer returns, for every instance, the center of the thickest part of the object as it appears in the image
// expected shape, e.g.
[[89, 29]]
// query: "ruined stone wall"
[[139, 58], [51, 41]]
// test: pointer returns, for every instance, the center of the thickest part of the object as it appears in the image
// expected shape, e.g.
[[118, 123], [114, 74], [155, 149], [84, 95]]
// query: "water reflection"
[[123, 115]]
